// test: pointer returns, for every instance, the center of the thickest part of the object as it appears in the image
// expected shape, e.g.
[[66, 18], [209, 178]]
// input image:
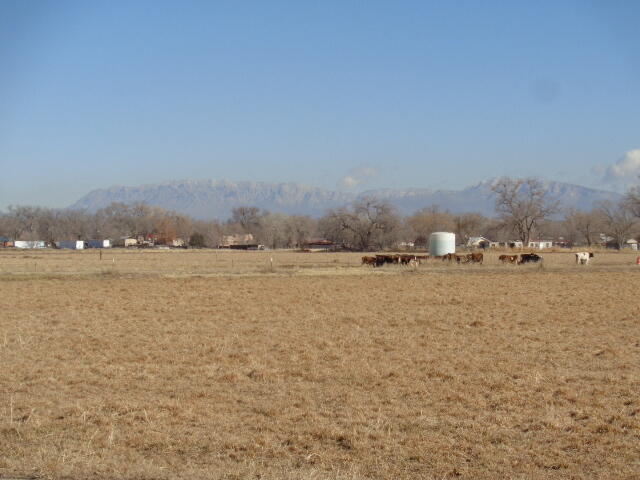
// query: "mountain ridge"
[[210, 199]]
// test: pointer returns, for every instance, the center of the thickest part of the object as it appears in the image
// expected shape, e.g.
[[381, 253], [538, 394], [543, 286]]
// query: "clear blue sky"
[[390, 94]]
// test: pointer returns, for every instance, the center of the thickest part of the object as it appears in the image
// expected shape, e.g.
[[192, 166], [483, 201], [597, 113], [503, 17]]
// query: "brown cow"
[[407, 259], [508, 259], [475, 258], [369, 261], [382, 259]]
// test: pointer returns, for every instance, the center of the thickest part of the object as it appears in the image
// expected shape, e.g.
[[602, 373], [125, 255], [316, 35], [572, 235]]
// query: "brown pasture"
[[204, 364]]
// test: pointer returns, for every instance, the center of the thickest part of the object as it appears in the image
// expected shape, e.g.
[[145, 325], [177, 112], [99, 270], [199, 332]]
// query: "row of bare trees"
[[115, 221], [523, 208]]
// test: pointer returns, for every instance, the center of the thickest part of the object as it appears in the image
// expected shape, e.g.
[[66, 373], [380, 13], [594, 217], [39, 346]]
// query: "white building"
[[478, 242], [511, 244], [541, 244], [30, 244]]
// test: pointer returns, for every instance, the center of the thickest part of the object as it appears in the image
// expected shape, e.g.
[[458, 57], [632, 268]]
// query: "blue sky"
[[345, 94]]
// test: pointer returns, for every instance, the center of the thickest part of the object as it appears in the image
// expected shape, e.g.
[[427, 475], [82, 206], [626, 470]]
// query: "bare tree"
[[618, 221], [298, 230], [632, 199], [22, 221], [428, 220], [249, 218], [369, 223], [522, 204], [467, 225], [587, 224], [210, 230], [272, 232]]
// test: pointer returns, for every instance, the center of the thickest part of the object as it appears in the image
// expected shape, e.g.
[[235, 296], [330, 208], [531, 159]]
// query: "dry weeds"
[[477, 372]]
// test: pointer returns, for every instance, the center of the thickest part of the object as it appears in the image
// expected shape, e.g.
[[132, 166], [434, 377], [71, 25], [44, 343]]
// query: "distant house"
[[237, 239], [510, 244], [240, 241], [177, 242], [607, 241], [632, 244], [478, 242], [126, 242], [146, 240], [540, 244]]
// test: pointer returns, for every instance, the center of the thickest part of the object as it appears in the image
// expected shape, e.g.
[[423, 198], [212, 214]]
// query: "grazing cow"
[[582, 258], [450, 257], [461, 258], [475, 258], [382, 259], [508, 259], [406, 259], [529, 257], [369, 261]]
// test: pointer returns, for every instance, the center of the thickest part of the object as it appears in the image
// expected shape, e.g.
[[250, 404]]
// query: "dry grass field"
[[203, 364]]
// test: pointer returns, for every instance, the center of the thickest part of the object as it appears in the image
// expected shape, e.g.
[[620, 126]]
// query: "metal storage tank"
[[441, 243]]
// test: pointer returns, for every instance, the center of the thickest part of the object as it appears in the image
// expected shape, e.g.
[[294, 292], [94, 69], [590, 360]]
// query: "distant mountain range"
[[209, 199]]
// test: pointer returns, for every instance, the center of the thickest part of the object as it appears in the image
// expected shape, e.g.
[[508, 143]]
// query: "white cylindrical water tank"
[[441, 243]]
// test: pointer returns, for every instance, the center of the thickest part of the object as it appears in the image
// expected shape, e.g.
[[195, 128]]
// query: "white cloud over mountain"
[[625, 171], [357, 176]]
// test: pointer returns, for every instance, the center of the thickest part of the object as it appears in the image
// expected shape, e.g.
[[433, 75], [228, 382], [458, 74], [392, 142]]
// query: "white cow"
[[582, 258]]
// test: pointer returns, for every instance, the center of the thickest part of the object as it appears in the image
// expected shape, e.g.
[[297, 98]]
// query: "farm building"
[[70, 245], [177, 242], [510, 244], [126, 242], [540, 244], [632, 244], [320, 244], [30, 244], [99, 244], [237, 239], [478, 242]]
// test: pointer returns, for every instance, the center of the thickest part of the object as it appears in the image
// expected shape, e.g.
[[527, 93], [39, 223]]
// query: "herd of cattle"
[[582, 258]]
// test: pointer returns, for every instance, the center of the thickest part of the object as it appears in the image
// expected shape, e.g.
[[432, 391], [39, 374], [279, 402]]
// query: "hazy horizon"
[[333, 95]]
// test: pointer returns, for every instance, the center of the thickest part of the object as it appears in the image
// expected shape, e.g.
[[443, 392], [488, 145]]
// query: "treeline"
[[524, 212]]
